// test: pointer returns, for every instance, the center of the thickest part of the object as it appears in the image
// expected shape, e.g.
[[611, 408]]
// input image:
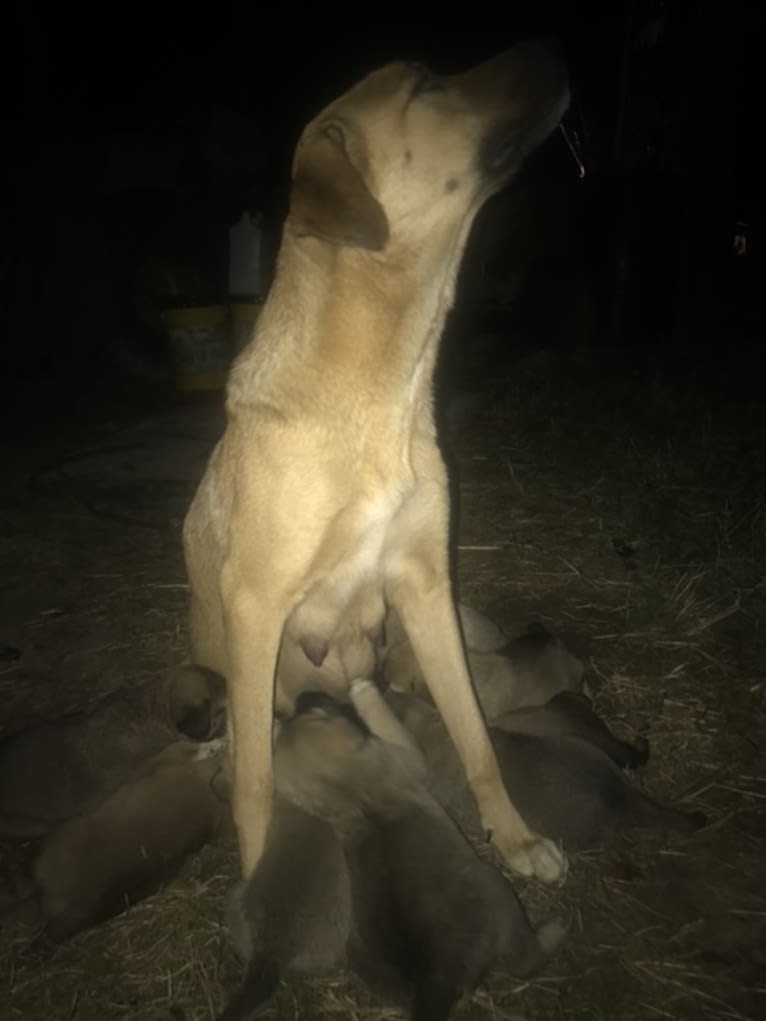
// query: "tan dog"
[[327, 497]]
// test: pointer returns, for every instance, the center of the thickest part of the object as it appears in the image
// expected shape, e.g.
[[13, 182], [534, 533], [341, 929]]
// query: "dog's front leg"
[[422, 597], [253, 635]]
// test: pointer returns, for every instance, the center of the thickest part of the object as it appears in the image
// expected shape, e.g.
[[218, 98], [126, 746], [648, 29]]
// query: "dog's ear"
[[330, 199]]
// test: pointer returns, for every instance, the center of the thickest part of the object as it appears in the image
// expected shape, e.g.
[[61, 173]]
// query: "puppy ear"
[[330, 199]]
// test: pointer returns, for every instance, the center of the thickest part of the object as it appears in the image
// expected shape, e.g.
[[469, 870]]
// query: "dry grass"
[[622, 507]]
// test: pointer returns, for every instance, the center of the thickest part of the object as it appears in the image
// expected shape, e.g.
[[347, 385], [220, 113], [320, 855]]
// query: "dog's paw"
[[538, 858]]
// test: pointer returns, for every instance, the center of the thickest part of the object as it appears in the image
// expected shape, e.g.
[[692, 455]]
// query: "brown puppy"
[[562, 767], [60, 769], [426, 918], [327, 497], [94, 866], [293, 916], [525, 671]]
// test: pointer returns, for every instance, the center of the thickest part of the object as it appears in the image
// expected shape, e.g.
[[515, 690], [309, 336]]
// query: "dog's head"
[[405, 149]]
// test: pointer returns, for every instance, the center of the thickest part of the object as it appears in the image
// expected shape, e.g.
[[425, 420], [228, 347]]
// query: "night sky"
[[116, 66], [94, 94], [91, 69]]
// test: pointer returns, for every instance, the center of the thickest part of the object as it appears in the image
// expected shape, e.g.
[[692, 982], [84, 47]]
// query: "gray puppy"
[[428, 918]]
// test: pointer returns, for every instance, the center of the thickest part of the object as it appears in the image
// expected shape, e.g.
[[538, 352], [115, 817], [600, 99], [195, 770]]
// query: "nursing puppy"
[[561, 765], [60, 769], [428, 919]]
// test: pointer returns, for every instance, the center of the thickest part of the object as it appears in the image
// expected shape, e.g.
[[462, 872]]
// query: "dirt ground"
[[617, 500]]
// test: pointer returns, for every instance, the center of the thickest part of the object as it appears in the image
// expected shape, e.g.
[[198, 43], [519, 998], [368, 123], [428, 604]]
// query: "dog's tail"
[[253, 996]]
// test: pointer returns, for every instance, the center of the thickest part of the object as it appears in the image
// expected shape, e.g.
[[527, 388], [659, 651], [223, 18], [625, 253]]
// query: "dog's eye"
[[335, 133], [426, 81]]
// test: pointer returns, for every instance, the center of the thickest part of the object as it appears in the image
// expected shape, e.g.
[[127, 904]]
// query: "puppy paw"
[[209, 749], [363, 690]]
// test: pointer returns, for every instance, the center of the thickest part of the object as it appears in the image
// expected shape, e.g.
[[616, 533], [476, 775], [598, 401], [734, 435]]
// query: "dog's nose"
[[525, 92], [546, 45], [537, 66], [525, 79]]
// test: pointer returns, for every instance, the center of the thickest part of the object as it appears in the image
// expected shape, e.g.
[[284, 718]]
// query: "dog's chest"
[[390, 525], [368, 544]]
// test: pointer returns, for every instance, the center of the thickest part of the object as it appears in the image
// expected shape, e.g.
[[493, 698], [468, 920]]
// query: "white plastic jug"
[[245, 257]]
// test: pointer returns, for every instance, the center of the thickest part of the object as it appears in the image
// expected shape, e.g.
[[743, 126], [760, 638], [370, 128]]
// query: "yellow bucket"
[[243, 318], [199, 338]]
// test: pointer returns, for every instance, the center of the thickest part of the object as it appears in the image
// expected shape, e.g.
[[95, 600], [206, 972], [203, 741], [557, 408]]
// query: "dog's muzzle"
[[534, 82]]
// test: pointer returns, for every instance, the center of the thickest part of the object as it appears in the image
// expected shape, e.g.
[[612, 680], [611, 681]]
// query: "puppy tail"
[[253, 996], [641, 810], [550, 935]]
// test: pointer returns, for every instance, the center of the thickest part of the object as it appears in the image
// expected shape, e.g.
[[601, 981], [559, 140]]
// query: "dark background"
[[137, 134]]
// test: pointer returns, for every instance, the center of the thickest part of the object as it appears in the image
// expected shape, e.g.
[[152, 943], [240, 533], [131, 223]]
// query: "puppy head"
[[196, 701], [315, 750], [326, 708]]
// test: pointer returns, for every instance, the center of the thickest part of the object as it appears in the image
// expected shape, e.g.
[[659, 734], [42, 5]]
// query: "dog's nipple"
[[315, 648]]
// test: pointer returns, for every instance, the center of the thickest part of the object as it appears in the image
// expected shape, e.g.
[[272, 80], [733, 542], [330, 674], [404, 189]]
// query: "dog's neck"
[[350, 315]]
